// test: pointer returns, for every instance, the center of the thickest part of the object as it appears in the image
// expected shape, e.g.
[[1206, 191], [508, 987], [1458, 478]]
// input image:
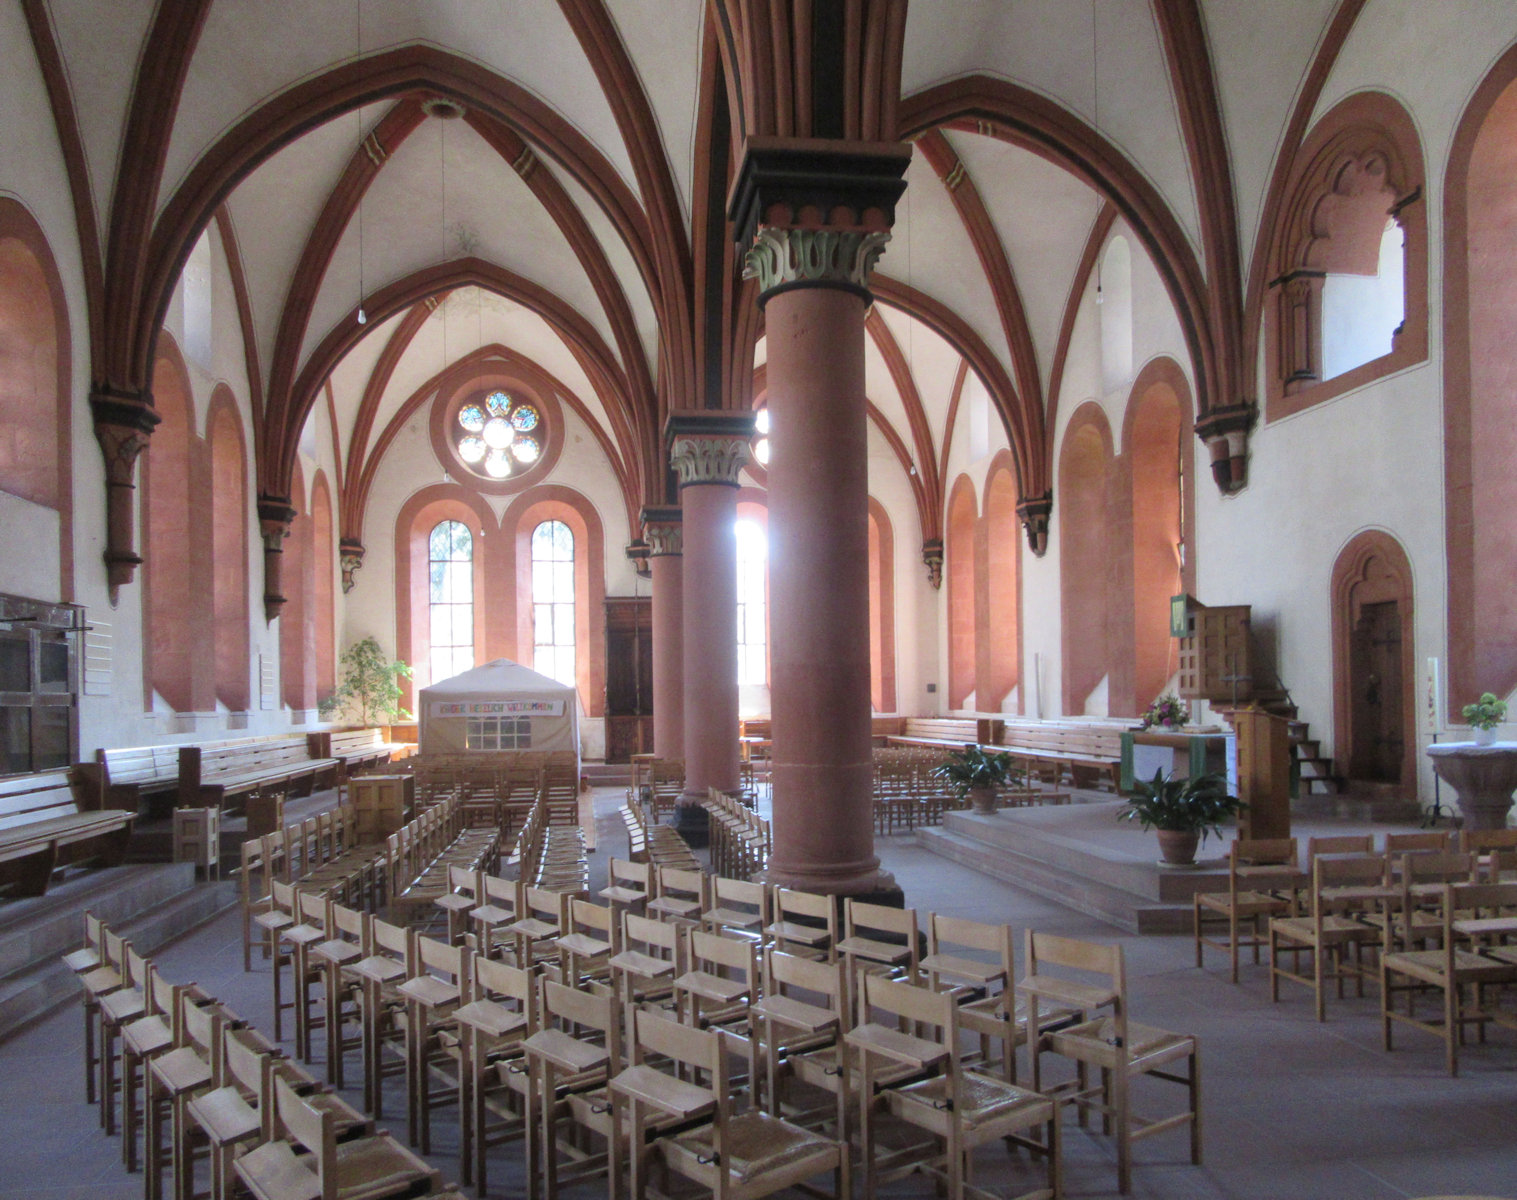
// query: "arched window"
[[450, 599], [752, 603], [553, 601]]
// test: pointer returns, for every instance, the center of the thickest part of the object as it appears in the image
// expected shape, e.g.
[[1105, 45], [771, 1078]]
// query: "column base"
[[693, 823], [872, 887]]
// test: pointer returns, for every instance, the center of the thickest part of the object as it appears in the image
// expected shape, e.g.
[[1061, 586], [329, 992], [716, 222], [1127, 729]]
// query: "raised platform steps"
[[150, 904], [1082, 857]]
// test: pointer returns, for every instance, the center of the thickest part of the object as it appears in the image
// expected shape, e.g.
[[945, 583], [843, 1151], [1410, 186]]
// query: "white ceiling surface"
[[930, 249], [1050, 46], [1043, 217], [274, 212], [251, 52], [663, 39], [100, 59], [934, 365], [1260, 56]]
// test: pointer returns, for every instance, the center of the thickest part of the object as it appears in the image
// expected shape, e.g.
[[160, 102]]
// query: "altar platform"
[[1083, 856]]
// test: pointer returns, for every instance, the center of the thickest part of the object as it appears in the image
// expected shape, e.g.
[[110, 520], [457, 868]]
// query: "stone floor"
[[1293, 1110]]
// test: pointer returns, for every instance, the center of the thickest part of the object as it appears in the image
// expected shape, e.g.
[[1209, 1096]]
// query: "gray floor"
[[1294, 1110]]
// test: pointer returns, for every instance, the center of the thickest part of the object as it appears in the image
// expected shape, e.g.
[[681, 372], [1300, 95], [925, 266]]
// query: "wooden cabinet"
[[629, 677], [1216, 654], [384, 803]]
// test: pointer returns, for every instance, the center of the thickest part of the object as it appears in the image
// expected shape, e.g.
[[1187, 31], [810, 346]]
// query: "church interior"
[[537, 503]]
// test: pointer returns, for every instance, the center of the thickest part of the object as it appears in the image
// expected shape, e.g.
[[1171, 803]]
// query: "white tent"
[[499, 706]]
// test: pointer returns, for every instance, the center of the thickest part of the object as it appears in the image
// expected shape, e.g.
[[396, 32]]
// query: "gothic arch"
[[36, 363], [882, 608], [229, 549], [1086, 472], [1479, 370], [960, 547], [323, 587], [1373, 569], [999, 633]]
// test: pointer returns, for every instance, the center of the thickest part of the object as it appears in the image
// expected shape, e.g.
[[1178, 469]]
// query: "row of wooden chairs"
[[201, 1085], [654, 843], [740, 839], [551, 855], [855, 1010], [1420, 920]]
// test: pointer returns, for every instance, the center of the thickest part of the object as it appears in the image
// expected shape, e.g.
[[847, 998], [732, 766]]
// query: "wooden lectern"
[[1264, 772]]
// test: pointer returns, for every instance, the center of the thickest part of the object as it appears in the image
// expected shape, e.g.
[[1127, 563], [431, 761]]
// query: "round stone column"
[[822, 764], [707, 450], [665, 536]]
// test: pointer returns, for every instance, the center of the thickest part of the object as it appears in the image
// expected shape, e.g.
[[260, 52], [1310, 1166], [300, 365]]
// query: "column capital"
[[124, 423], [932, 559], [1034, 512], [708, 446], [782, 259], [275, 515], [817, 183], [350, 553], [1225, 432], [637, 555], [663, 526]]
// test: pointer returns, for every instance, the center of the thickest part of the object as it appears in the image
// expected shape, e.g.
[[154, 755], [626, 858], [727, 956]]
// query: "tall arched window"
[[752, 589], [553, 601], [450, 599]]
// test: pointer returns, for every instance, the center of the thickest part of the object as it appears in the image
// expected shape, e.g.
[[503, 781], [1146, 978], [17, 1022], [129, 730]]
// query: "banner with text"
[[497, 708]]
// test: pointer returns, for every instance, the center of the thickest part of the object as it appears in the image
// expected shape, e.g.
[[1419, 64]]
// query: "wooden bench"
[[126, 776], [1088, 753], [957, 732], [354, 749], [212, 771], [42, 829]]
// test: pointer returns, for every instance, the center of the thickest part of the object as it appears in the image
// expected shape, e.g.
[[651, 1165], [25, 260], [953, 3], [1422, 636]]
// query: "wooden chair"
[[493, 1095], [142, 1040], [491, 920], [341, 989], [731, 1156], [435, 989], [313, 925], [572, 1058], [542, 917], [1424, 841], [590, 940], [628, 884], [1343, 889], [960, 1109], [805, 924], [719, 983], [389, 963], [1495, 850], [1262, 878], [1455, 974], [101, 962], [1348, 843], [651, 957], [799, 1025], [1120, 1048], [878, 939], [984, 988], [172, 1079], [679, 895], [738, 906], [370, 1167], [465, 893], [118, 1008]]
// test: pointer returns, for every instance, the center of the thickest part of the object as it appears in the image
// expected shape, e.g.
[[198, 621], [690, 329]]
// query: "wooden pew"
[[127, 775], [42, 828], [947, 731], [210, 772], [355, 749], [1088, 753]]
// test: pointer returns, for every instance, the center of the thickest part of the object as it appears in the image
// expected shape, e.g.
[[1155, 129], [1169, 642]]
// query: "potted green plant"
[[370, 686], [1168, 711], [1484, 715], [1182, 811], [973, 773]]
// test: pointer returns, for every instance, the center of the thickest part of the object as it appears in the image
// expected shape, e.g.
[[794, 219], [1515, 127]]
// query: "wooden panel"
[[1216, 659], [1264, 769]]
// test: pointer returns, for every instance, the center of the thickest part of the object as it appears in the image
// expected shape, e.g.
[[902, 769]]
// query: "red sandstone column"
[[662, 528], [819, 594], [819, 215], [707, 450]]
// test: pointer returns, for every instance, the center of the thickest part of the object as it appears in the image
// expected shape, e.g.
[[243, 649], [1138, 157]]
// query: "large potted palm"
[[1181, 811], [974, 774]]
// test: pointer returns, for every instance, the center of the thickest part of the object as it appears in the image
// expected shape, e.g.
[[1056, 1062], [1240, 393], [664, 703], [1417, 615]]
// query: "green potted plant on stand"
[[1484, 715], [370, 686], [973, 773], [1182, 811]]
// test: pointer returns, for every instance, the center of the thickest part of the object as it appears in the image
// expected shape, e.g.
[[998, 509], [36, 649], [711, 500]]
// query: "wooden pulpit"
[[1264, 772]]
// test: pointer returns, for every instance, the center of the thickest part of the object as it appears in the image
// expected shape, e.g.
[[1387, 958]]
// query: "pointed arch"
[[881, 609], [959, 546], [229, 549], [323, 587], [1001, 637], [297, 622], [1085, 475]]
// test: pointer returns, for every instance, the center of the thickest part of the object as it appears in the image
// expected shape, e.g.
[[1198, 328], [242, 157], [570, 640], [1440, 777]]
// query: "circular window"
[[495, 438], [504, 438]]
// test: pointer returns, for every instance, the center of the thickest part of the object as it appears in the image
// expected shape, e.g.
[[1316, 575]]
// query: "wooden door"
[[1377, 695]]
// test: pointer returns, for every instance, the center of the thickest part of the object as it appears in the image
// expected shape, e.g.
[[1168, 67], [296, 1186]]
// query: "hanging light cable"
[[358, 116]]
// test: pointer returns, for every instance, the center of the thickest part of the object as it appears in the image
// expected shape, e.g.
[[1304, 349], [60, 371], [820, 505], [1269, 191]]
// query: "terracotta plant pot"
[[1178, 846], [983, 801]]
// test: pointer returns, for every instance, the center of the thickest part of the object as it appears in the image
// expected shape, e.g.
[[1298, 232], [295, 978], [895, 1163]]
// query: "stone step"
[[39, 988], [1341, 805], [1124, 909]]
